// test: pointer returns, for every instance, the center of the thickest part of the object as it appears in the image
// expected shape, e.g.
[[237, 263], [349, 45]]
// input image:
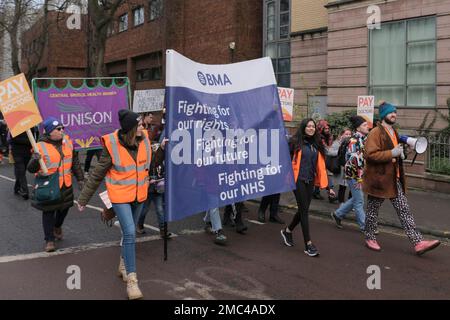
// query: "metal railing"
[[438, 154]]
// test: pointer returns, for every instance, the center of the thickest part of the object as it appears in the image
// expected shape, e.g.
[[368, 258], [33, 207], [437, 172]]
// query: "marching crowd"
[[131, 163]]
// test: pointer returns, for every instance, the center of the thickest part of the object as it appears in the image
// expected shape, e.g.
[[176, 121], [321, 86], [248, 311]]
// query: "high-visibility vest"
[[127, 180], [53, 160], [321, 178]]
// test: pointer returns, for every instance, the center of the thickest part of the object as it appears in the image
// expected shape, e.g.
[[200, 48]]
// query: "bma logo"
[[213, 80]]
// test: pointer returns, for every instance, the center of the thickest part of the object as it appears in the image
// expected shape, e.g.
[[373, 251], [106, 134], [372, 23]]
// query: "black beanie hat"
[[357, 121], [128, 120]]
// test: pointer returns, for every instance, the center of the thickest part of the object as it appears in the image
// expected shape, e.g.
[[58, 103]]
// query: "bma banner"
[[227, 141], [148, 100], [87, 113], [17, 105]]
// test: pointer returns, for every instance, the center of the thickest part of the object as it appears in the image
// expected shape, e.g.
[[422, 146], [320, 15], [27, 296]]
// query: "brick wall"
[[348, 53], [199, 29], [308, 67]]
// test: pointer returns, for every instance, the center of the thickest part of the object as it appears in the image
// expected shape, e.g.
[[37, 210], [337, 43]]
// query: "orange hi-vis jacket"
[[321, 179], [127, 180], [53, 160]]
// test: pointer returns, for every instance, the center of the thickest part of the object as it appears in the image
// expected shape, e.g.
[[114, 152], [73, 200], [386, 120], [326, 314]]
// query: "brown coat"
[[380, 172]]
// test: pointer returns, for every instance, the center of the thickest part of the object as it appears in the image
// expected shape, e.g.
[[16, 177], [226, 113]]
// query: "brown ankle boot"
[[133, 290], [121, 272], [57, 232]]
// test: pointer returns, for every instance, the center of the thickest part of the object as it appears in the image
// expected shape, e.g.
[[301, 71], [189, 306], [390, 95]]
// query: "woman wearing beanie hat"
[[354, 170], [384, 178], [57, 151], [124, 165]]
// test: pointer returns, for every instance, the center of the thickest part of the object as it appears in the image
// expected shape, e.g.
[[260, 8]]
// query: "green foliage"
[[440, 165], [340, 120]]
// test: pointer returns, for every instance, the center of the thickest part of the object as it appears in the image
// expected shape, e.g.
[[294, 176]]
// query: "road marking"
[[255, 222], [70, 250], [7, 178]]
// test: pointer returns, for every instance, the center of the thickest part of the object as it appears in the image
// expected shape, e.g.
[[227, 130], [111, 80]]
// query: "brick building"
[[64, 53], [208, 31], [335, 57], [203, 30]]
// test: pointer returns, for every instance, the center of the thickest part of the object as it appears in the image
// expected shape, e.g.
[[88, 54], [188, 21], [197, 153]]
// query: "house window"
[[149, 74], [138, 15], [156, 8], [276, 39], [123, 22], [403, 62]]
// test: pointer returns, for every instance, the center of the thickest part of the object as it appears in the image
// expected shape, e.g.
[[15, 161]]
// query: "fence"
[[438, 155]]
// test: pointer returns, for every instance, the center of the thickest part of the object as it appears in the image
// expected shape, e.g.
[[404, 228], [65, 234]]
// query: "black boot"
[[240, 226], [227, 221], [261, 216], [276, 219]]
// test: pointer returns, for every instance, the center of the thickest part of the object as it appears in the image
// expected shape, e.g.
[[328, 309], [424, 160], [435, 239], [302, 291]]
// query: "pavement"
[[431, 210]]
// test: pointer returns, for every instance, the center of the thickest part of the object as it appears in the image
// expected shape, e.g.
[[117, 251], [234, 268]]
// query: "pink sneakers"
[[373, 245], [424, 246]]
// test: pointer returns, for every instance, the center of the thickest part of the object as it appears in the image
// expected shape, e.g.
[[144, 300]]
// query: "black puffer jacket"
[[66, 192]]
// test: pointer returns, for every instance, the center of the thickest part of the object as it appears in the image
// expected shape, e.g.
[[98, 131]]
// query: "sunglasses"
[[59, 128]]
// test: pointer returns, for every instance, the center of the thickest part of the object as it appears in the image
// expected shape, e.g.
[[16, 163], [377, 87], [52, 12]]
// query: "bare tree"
[[16, 16], [101, 16]]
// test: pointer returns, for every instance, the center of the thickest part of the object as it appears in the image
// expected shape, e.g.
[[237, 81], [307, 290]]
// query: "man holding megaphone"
[[384, 178]]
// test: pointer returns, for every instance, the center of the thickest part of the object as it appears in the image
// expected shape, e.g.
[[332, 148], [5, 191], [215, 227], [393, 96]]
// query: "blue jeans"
[[355, 202], [213, 216], [158, 200], [127, 213]]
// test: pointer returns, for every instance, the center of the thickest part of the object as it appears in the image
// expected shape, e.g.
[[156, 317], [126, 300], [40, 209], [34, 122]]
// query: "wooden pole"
[[35, 148]]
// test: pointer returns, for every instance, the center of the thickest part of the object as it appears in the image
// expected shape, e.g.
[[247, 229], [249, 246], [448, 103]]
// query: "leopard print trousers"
[[400, 204]]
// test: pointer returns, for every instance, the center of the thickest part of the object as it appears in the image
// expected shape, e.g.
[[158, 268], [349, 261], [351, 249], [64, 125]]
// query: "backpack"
[[342, 152]]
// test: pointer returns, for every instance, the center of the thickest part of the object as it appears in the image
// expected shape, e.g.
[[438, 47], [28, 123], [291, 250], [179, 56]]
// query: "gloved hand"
[[36, 156], [397, 151]]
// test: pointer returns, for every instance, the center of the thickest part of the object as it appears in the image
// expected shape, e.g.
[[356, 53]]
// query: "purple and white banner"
[[86, 113], [227, 141]]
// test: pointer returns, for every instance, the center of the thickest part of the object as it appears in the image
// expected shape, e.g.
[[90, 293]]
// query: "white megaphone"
[[419, 145]]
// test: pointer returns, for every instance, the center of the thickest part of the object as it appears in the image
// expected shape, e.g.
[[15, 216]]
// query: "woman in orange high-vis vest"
[[56, 149], [124, 166], [308, 162]]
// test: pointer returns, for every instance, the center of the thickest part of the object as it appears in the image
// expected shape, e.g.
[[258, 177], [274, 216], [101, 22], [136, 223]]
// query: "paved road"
[[252, 266]]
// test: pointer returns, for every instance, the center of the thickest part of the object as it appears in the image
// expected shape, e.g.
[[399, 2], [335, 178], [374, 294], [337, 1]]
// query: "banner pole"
[[35, 148], [165, 241]]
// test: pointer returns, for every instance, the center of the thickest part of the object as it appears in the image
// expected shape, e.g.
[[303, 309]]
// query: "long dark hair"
[[298, 139]]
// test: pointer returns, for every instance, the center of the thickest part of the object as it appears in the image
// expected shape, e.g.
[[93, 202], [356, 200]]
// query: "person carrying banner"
[[273, 201], [233, 216], [384, 178], [124, 165], [354, 170], [213, 225], [308, 162], [156, 190], [57, 151]]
